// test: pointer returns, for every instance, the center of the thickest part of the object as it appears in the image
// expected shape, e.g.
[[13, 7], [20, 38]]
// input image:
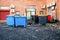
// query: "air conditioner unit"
[[48, 5], [52, 7], [53, 3]]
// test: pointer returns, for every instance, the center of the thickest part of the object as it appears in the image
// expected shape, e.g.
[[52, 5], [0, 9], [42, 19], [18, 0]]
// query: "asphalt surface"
[[28, 33]]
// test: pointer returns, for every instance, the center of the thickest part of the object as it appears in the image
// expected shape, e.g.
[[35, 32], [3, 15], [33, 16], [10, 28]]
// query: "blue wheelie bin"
[[10, 20], [20, 21]]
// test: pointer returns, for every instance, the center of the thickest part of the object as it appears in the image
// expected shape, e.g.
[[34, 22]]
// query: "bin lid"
[[21, 16], [10, 15]]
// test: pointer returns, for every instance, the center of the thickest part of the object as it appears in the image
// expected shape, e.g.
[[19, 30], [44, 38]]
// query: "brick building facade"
[[22, 5]]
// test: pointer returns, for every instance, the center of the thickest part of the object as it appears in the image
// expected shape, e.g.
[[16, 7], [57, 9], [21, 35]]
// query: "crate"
[[42, 19], [20, 21], [10, 20]]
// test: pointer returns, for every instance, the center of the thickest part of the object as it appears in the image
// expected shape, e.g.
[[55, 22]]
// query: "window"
[[41, 13]]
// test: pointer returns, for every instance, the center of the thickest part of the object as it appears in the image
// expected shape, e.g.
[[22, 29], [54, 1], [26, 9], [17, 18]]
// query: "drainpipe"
[[57, 10]]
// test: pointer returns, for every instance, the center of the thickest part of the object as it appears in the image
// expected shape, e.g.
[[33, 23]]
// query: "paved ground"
[[29, 33]]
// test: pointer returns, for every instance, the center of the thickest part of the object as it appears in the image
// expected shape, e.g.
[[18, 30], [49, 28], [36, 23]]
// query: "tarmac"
[[29, 33]]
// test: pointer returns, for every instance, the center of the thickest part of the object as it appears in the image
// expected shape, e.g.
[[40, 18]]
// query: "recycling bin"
[[42, 19], [10, 20], [20, 21], [48, 18]]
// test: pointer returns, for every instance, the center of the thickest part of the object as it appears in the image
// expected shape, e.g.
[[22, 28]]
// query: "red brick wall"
[[58, 9], [20, 4]]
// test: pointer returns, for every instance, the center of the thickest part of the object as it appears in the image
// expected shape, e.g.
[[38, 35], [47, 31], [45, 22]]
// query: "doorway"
[[30, 12]]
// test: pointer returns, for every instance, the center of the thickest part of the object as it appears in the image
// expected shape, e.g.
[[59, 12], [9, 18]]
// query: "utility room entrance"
[[30, 12]]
